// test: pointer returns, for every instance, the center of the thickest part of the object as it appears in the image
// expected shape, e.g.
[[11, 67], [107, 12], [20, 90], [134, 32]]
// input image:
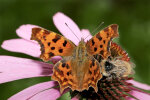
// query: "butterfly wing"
[[92, 75], [52, 44], [117, 51], [63, 73], [68, 73], [100, 43]]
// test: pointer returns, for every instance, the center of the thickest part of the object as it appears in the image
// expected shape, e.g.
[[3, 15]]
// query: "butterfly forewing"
[[52, 44], [100, 43], [117, 51]]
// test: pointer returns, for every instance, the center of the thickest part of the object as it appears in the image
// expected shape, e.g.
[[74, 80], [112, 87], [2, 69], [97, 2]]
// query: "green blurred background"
[[132, 16]]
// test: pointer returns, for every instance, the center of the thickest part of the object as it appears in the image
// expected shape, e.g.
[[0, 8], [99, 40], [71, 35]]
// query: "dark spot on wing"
[[64, 64], [57, 37], [93, 42], [60, 50], [68, 73], [64, 44], [99, 37], [104, 41], [90, 72], [65, 79], [52, 48], [93, 62], [67, 66], [51, 54], [48, 43], [101, 46], [44, 37], [95, 49], [98, 57]]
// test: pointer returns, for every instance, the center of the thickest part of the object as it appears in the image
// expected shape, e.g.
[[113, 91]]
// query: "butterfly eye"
[[108, 66]]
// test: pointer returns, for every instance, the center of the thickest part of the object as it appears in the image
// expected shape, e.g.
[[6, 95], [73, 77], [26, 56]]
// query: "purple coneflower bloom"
[[15, 68]]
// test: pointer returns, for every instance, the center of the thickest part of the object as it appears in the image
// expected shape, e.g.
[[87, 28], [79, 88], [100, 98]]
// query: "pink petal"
[[139, 95], [55, 59], [59, 20], [14, 68], [51, 94], [22, 46], [139, 85], [25, 31], [75, 98], [38, 92], [86, 35]]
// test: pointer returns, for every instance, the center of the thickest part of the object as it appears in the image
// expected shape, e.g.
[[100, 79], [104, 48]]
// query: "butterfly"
[[78, 69]]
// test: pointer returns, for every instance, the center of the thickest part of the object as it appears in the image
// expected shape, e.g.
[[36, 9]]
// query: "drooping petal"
[[22, 46], [67, 27], [139, 95], [25, 31], [86, 35], [40, 91], [139, 85], [14, 68]]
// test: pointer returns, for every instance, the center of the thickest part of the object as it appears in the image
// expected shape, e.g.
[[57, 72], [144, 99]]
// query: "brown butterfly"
[[78, 69]]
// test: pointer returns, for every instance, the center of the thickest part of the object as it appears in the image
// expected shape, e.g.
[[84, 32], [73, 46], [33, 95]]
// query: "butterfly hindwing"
[[63, 73], [100, 43], [79, 78], [52, 44], [93, 74]]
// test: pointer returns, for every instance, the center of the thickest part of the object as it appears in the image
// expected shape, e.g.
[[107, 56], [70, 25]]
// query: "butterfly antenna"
[[96, 29], [72, 31]]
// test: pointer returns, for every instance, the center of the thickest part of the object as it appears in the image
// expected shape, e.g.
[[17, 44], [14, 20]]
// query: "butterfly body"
[[81, 52], [78, 69], [80, 75]]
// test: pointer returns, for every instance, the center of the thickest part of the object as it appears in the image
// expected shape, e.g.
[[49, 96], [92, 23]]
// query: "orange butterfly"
[[78, 69]]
